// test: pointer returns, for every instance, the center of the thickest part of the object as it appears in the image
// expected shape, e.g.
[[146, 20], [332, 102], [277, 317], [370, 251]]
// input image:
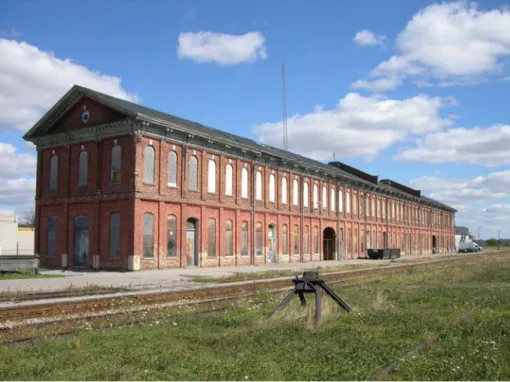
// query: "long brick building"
[[123, 186]]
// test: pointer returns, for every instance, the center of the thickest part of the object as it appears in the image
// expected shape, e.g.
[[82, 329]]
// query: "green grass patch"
[[387, 321]]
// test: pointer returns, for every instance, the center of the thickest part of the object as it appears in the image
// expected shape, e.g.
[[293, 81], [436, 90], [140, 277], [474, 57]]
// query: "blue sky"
[[412, 91]]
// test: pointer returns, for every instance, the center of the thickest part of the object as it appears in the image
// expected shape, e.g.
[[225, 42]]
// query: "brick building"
[[120, 185]]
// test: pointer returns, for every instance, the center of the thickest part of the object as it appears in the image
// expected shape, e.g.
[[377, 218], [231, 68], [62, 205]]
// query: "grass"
[[14, 275], [387, 321], [88, 290]]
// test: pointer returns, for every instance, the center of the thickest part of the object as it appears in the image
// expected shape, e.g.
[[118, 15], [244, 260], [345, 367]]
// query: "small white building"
[[15, 239]]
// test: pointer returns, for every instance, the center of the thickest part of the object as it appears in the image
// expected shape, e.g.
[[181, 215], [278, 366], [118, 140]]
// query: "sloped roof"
[[138, 111]]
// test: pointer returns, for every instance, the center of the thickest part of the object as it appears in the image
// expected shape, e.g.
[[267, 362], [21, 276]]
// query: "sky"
[[414, 91]]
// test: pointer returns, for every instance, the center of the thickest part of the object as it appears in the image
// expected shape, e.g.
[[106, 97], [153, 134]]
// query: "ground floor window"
[[244, 239], [258, 239], [285, 240], [228, 239], [211, 233], [296, 239], [148, 235], [171, 236], [315, 239], [114, 235], [306, 248]]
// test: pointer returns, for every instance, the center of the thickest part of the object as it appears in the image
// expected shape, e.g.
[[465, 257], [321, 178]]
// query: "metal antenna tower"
[[285, 131]]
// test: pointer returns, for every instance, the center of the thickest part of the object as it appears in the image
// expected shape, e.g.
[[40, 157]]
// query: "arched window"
[[52, 234], [244, 183], [171, 236], [193, 173], [340, 201], [258, 239], [295, 192], [315, 196], [373, 206], [83, 164], [325, 197], [332, 200], [114, 236], [211, 177], [149, 164], [53, 172], [148, 234], [361, 204], [115, 163], [348, 202], [228, 179], [285, 240], [296, 240], [306, 248], [258, 186], [244, 238], [315, 239], [229, 243], [284, 190], [355, 203], [305, 194], [172, 169], [272, 188], [211, 235]]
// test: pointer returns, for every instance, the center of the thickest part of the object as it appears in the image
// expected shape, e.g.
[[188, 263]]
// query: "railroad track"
[[12, 316]]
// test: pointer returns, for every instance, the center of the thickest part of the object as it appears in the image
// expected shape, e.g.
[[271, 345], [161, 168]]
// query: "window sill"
[[170, 185], [149, 184]]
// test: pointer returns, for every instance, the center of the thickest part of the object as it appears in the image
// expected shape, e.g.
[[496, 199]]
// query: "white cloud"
[[367, 38], [14, 164], [453, 43], [31, 81], [220, 48], [357, 126], [480, 201], [488, 147]]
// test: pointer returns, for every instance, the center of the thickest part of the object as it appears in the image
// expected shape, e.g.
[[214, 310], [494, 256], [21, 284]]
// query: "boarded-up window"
[[172, 169], [244, 183], [83, 164], [211, 177], [53, 172], [325, 197], [296, 240], [315, 196], [114, 235], [228, 180], [340, 201], [193, 173], [348, 202], [305, 194], [244, 239], [315, 239], [148, 235], [285, 240], [115, 164], [229, 243], [272, 195], [306, 248], [295, 192], [148, 165], [52, 233], [332, 200], [284, 190], [171, 236], [258, 239], [211, 236], [258, 186]]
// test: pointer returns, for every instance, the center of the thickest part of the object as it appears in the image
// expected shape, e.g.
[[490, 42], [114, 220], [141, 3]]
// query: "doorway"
[[81, 241], [328, 244], [271, 244], [434, 244], [192, 242]]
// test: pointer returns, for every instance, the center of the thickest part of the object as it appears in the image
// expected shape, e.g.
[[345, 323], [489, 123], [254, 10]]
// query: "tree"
[[492, 242], [30, 220]]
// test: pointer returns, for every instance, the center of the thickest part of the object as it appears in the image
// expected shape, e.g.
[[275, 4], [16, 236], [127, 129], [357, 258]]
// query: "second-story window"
[[315, 196], [340, 201], [272, 188], [83, 169], [244, 183], [258, 186], [172, 169], [53, 172], [193, 173], [228, 180], [284, 190], [332, 200], [305, 194], [295, 192], [211, 177], [115, 162], [148, 165], [325, 197], [348, 202]]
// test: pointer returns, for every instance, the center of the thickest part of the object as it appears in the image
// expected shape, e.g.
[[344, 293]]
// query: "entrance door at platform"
[[328, 244], [81, 241], [192, 243]]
